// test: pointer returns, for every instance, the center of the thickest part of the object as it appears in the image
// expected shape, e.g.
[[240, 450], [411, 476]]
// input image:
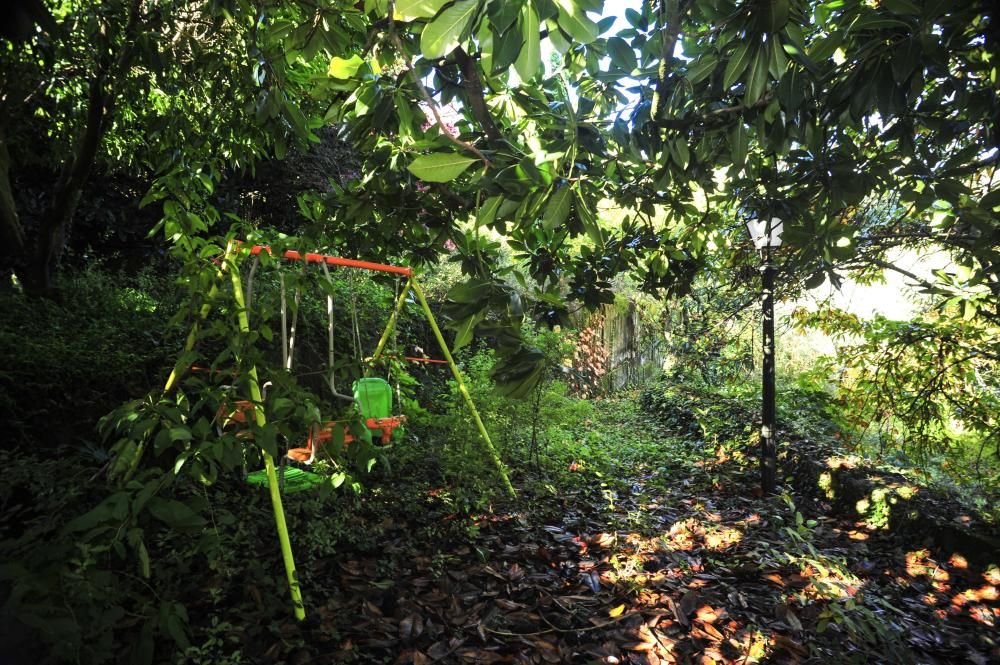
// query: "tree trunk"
[[55, 224], [13, 246], [35, 264]]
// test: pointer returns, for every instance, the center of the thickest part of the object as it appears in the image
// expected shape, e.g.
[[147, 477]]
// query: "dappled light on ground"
[[662, 565]]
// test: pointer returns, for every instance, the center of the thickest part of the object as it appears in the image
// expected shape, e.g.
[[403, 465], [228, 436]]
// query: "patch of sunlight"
[[919, 564], [825, 483], [862, 506], [722, 539], [958, 561], [984, 615], [842, 461], [136, 300], [684, 535]]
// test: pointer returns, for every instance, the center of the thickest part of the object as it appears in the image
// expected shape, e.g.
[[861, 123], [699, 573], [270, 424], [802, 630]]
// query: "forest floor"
[[667, 554]]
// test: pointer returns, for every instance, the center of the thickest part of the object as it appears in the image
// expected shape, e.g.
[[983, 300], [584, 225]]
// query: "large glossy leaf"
[[407, 10], [175, 514], [472, 291], [574, 21], [738, 147], [702, 68], [464, 330], [529, 60], [557, 209], [341, 68], [681, 153], [440, 166], [443, 34], [757, 77], [516, 375], [488, 211], [737, 64], [622, 55]]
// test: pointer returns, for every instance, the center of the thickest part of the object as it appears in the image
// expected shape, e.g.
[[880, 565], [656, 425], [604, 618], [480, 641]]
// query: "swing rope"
[[356, 331], [331, 356], [250, 281], [288, 335]]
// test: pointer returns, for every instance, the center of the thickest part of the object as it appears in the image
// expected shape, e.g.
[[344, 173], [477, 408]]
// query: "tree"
[[180, 92], [693, 117]]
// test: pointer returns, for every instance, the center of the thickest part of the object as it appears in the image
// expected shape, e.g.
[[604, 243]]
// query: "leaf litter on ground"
[[668, 563]]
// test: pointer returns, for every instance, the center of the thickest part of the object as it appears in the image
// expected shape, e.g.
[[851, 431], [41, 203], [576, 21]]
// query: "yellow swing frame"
[[235, 249]]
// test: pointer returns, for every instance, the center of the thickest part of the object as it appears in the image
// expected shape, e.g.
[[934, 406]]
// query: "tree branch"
[[906, 273], [669, 19], [473, 86], [715, 116], [431, 104]]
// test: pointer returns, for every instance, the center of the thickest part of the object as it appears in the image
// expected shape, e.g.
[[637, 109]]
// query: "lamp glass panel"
[[775, 227]]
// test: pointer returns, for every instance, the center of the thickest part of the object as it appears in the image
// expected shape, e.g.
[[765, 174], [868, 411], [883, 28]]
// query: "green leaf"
[[815, 280], [905, 59], [440, 166], [557, 209], [589, 219], [757, 78], [702, 68], [464, 330], [177, 625], [407, 10], [991, 200], [341, 68], [517, 375], [791, 90], [622, 54], [681, 154], [574, 21], [144, 568], [488, 211], [506, 49], [472, 291], [443, 34], [738, 62], [558, 39], [175, 514], [530, 58], [969, 311], [738, 147], [775, 15]]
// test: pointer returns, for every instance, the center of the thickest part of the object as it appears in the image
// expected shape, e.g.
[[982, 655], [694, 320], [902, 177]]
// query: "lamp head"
[[766, 234]]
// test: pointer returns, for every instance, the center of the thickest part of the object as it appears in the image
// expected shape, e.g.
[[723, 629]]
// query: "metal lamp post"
[[766, 235]]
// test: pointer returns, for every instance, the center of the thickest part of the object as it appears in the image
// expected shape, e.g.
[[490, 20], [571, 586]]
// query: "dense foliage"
[[528, 158]]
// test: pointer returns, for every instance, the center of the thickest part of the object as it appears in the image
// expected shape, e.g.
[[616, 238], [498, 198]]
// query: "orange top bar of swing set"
[[310, 257]]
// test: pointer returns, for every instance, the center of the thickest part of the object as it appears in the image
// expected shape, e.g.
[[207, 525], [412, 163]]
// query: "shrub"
[[67, 363]]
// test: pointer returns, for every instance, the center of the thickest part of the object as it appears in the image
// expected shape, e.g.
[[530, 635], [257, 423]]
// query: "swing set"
[[371, 395]]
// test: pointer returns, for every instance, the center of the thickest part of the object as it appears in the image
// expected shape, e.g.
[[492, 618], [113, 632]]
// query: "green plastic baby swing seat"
[[374, 397]]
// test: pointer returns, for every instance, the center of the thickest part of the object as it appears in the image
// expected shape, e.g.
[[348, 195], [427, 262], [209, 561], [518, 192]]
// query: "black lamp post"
[[766, 235]]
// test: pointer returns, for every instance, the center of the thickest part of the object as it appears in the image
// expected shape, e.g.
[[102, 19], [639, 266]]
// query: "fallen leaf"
[[707, 614], [689, 601]]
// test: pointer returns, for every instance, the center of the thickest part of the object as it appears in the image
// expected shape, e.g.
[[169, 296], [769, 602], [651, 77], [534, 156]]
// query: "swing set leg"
[[272, 476], [457, 373]]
